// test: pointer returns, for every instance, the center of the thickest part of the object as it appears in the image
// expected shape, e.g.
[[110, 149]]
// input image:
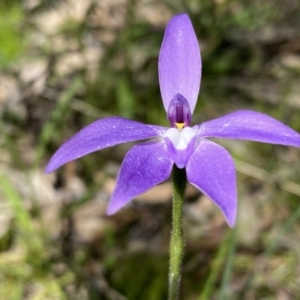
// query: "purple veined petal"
[[179, 64], [144, 166], [101, 134], [249, 125], [211, 170]]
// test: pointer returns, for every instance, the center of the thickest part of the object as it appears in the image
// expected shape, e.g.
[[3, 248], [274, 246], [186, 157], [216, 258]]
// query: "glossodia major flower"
[[209, 167]]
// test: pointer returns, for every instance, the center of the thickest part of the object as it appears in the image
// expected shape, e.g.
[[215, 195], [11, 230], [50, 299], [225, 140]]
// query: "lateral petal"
[[101, 134], [145, 165], [249, 125], [211, 170], [179, 64]]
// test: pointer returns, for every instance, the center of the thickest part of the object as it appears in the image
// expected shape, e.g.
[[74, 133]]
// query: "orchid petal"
[[249, 125], [180, 144], [101, 134], [144, 166], [211, 170], [179, 65]]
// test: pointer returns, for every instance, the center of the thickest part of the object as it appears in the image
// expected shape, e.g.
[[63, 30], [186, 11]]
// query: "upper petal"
[[179, 64], [211, 170], [250, 125], [101, 134], [144, 166]]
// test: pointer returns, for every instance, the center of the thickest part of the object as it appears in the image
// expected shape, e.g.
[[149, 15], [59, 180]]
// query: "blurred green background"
[[64, 64]]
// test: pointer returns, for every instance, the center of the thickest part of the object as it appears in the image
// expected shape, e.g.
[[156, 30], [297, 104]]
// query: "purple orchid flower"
[[209, 167]]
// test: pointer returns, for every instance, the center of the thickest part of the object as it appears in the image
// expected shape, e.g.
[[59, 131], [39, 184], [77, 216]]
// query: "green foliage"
[[149, 281], [12, 42]]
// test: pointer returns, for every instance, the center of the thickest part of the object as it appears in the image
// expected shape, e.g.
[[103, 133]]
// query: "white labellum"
[[180, 138]]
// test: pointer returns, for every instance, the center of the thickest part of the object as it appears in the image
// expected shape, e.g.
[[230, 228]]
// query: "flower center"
[[179, 112], [180, 138]]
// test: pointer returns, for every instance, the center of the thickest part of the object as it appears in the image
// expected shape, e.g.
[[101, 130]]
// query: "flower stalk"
[[177, 239]]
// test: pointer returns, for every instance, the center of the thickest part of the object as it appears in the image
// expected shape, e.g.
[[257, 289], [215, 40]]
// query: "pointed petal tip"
[[231, 225], [231, 220], [111, 210], [53, 164], [48, 170], [181, 18], [230, 213], [113, 207], [180, 22]]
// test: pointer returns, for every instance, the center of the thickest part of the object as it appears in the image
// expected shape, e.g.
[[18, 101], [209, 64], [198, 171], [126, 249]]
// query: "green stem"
[[177, 242]]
